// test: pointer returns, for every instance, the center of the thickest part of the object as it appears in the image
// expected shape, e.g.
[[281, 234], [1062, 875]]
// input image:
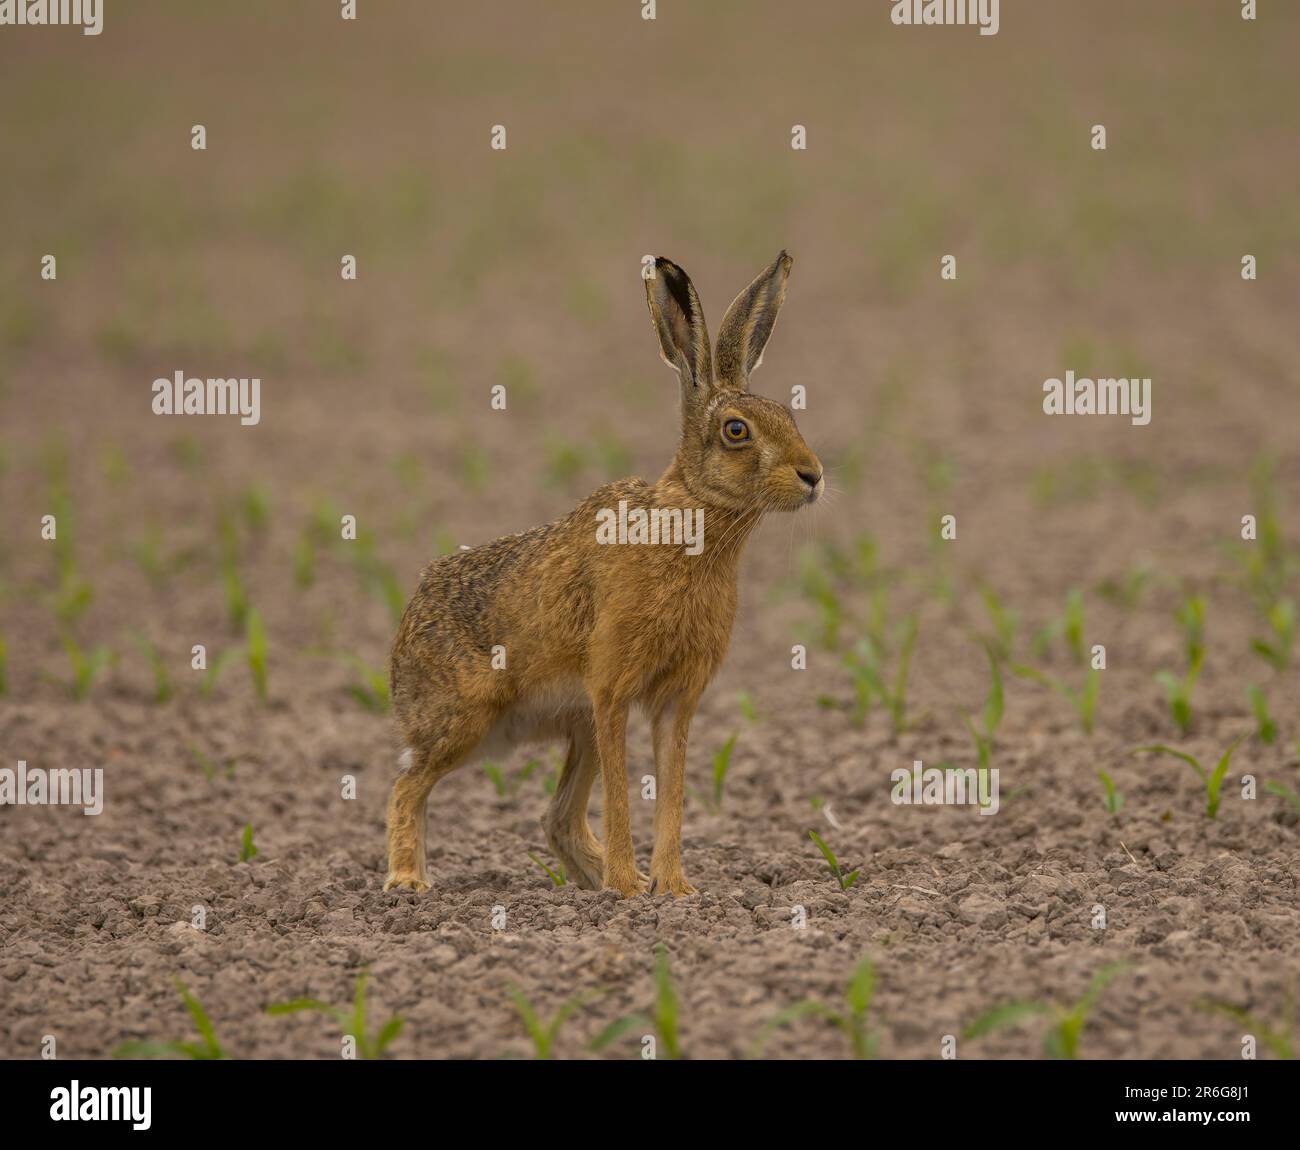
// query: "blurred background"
[[625, 137]]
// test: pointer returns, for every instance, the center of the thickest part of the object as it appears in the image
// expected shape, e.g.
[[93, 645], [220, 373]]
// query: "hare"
[[553, 634]]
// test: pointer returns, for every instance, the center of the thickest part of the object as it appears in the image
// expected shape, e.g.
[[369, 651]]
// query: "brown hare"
[[556, 632]]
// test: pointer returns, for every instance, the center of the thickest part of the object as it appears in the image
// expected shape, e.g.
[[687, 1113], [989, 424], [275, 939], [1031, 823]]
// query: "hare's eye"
[[735, 431]]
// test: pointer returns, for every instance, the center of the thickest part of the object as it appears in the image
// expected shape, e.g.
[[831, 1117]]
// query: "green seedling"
[[1114, 800], [845, 878], [148, 556], [444, 542], [937, 472], [857, 566], [565, 462], [558, 878], [162, 681], [1083, 699], [614, 456], [247, 851], [1006, 624], [1191, 617], [372, 690], [1213, 780], [207, 766], [378, 577], [73, 594], [354, 1024], [115, 466], [1269, 562], [818, 589], [207, 1049], [409, 469], [214, 669], [721, 764], [864, 560], [474, 465], [1178, 690], [1178, 694], [507, 788], [991, 716], [542, 1033], [1066, 1026], [851, 1021], [1279, 1039], [231, 580], [324, 523], [391, 590], [1284, 792], [748, 709], [304, 559], [72, 598], [1276, 649], [1126, 591], [188, 453], [256, 653], [255, 507], [86, 665], [1265, 727], [663, 1019], [1069, 625], [870, 681], [1074, 625]]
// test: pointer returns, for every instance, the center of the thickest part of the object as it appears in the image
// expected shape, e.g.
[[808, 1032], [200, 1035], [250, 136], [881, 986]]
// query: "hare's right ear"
[[749, 322], [679, 322]]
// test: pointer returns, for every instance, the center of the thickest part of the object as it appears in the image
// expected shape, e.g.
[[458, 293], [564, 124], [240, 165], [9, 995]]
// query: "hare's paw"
[[584, 860], [628, 883], [408, 881], [671, 884]]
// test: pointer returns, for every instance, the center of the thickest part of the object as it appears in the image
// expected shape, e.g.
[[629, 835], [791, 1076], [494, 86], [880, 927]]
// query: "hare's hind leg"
[[407, 817], [565, 821]]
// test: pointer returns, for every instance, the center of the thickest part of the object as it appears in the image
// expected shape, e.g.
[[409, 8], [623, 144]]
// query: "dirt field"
[[520, 267]]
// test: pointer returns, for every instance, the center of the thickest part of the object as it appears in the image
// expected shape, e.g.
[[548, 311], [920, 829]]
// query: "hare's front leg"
[[611, 741], [671, 726]]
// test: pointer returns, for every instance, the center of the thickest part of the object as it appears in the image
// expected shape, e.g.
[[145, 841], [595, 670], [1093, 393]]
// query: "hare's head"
[[738, 450]]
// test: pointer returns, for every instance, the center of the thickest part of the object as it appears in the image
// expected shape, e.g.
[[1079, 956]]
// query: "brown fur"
[[589, 629]]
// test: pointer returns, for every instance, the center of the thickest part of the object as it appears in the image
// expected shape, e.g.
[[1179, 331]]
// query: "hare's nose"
[[810, 477]]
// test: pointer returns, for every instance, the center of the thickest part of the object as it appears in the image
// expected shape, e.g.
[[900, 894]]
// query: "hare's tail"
[[404, 761]]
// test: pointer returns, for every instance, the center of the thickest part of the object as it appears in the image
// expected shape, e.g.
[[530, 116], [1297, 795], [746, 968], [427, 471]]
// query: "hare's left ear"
[[749, 322], [679, 322]]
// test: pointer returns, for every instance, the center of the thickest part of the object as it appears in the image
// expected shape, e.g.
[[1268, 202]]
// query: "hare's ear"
[[679, 322], [748, 323]]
